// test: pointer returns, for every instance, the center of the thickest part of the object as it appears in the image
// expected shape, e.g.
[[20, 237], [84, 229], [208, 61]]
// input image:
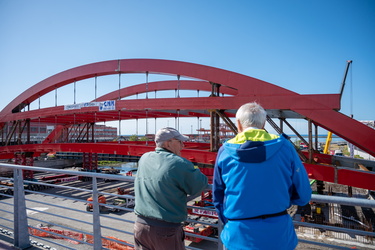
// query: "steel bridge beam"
[[236, 89]]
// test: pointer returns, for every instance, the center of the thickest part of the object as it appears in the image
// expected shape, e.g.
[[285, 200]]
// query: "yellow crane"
[[328, 142]]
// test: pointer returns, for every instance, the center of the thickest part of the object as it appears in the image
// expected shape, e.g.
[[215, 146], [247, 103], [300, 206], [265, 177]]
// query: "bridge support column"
[[28, 131], [92, 132], [215, 131], [215, 121]]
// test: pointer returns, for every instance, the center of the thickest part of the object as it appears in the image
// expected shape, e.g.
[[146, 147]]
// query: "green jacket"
[[162, 184]]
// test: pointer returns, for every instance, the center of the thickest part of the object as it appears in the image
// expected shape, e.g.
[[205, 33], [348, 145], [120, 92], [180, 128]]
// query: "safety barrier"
[[53, 208]]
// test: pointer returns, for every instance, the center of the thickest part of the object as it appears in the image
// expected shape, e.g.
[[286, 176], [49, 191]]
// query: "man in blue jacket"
[[163, 181], [257, 177]]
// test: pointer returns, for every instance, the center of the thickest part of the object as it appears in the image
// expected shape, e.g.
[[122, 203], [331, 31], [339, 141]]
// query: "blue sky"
[[302, 46]]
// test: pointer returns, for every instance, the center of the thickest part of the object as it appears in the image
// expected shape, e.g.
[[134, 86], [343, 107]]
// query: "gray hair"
[[251, 115]]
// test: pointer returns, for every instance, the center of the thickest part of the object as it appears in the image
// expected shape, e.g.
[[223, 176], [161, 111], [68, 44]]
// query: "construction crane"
[[344, 79], [329, 135]]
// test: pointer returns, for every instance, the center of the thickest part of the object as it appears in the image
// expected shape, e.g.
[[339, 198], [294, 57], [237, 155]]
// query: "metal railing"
[[52, 209]]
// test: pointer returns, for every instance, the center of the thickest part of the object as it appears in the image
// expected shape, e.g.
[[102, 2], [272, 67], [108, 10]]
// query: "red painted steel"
[[329, 173], [357, 178], [344, 176], [269, 95], [163, 85], [235, 89], [201, 155], [320, 172]]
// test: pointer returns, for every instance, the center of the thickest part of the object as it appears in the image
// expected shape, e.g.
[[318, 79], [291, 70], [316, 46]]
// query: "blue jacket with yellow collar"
[[257, 173]]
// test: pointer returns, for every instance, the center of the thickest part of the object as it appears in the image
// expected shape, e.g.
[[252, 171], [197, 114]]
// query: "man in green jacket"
[[163, 181]]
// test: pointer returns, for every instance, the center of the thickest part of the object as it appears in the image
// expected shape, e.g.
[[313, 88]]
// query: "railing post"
[[21, 232], [96, 216], [220, 245]]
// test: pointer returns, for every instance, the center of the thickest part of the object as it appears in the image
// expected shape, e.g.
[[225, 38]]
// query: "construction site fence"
[[50, 211]]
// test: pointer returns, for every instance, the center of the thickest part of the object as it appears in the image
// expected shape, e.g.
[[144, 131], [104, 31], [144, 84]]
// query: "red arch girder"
[[66, 117], [163, 85], [246, 86], [320, 107], [156, 66]]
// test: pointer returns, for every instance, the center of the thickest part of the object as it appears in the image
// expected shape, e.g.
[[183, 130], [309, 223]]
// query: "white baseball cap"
[[166, 134]]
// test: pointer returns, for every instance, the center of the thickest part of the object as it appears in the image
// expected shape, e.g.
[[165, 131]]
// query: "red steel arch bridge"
[[227, 91]]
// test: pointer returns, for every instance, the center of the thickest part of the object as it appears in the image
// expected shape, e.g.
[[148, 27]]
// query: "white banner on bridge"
[[107, 105], [103, 106]]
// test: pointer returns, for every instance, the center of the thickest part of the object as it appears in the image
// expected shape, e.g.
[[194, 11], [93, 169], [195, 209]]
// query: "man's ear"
[[239, 126]]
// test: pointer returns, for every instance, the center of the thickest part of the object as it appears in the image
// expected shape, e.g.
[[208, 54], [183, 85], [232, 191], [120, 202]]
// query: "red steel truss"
[[229, 90]]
